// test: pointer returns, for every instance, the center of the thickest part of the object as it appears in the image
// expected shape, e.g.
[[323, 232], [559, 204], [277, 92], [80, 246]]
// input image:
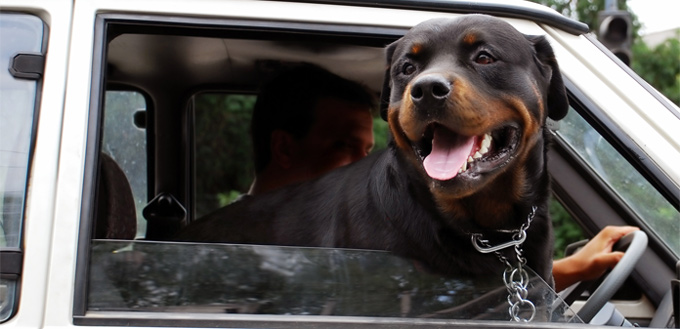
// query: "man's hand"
[[591, 261]]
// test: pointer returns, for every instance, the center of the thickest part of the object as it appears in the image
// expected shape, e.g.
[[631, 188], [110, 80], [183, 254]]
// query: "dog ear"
[[387, 81], [558, 103]]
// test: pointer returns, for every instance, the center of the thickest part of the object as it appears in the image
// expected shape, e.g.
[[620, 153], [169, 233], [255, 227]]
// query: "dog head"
[[468, 99]]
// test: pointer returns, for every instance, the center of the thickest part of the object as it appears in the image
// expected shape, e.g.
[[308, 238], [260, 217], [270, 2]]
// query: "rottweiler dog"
[[466, 100]]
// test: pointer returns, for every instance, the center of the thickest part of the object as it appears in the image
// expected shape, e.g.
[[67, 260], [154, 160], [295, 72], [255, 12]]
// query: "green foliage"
[[222, 148], [561, 6], [381, 134], [225, 199], [659, 66], [585, 11], [565, 229]]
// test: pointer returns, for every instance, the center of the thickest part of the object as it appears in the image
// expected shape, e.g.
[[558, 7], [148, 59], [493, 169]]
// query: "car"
[[121, 121]]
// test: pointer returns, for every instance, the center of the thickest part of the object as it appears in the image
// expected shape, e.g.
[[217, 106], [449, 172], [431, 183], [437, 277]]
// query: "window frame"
[[90, 173], [12, 258]]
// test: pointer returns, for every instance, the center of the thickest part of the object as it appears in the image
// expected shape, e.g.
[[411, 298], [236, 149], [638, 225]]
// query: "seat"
[[116, 216]]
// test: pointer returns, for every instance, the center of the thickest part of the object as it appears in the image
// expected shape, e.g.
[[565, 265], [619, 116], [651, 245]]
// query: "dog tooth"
[[477, 155], [464, 168], [470, 159], [486, 142]]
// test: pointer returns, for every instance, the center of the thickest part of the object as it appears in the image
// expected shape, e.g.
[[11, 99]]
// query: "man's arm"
[[591, 261]]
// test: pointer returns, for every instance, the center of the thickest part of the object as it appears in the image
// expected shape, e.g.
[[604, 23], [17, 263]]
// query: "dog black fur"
[[453, 80]]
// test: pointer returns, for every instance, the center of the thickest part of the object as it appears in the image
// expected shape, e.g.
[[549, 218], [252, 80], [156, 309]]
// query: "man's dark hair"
[[287, 102]]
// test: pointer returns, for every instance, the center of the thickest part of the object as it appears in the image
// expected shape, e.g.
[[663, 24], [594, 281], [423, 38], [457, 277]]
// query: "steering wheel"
[[634, 245]]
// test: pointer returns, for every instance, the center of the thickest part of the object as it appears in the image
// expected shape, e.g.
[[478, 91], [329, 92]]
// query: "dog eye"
[[408, 69], [484, 58]]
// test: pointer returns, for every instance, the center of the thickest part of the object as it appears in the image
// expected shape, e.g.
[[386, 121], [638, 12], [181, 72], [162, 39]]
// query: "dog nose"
[[430, 90]]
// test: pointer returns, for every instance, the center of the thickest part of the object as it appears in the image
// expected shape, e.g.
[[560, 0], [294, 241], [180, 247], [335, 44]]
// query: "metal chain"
[[516, 279]]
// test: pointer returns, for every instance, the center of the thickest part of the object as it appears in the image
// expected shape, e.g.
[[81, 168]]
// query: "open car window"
[[173, 151]]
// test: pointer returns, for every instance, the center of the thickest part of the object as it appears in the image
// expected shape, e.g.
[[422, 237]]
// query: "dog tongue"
[[449, 152]]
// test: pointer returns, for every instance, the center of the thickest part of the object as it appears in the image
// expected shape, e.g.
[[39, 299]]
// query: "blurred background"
[[645, 34]]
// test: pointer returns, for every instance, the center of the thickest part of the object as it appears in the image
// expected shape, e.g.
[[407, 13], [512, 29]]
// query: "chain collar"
[[518, 237], [516, 279]]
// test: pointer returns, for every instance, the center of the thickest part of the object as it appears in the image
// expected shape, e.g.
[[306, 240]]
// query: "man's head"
[[308, 121]]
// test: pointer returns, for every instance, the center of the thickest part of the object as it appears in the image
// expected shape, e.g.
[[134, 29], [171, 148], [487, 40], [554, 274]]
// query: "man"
[[308, 121]]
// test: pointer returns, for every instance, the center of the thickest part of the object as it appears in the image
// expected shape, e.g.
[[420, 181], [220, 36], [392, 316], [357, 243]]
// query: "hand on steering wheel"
[[592, 258], [634, 244]]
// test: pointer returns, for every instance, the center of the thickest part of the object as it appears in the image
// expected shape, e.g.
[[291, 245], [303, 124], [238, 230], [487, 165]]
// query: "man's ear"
[[387, 80], [558, 103], [282, 146]]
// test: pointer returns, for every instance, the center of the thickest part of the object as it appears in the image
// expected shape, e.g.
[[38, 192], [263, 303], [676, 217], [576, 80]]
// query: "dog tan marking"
[[531, 127], [406, 117], [397, 131], [539, 100], [416, 49], [400, 138], [470, 38]]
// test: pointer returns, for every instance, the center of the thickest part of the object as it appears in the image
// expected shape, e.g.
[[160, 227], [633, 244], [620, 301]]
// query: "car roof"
[[510, 8]]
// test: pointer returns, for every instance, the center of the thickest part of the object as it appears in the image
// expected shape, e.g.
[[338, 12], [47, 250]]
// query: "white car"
[[113, 114]]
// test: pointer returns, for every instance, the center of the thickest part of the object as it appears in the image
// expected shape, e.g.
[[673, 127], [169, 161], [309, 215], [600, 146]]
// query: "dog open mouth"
[[446, 154]]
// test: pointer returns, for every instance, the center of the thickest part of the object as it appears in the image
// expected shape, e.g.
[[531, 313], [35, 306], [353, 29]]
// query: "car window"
[[249, 279], [124, 140], [622, 178], [190, 150], [222, 148], [20, 34]]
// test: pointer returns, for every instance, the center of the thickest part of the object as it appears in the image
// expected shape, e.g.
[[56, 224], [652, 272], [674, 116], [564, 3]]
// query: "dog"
[[466, 100]]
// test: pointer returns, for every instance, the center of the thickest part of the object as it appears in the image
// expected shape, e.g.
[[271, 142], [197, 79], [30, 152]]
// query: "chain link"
[[517, 295], [516, 279]]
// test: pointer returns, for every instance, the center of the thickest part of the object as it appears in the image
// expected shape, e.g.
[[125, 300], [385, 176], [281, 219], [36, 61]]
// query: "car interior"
[[175, 68], [173, 103]]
